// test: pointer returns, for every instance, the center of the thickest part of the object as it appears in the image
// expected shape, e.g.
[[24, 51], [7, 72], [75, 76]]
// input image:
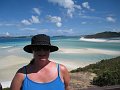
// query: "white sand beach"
[[9, 66], [89, 51]]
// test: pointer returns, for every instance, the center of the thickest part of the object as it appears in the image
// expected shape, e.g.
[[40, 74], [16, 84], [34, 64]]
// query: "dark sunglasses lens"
[[41, 48]]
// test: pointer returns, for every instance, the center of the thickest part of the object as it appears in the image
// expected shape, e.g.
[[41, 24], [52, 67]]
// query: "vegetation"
[[6, 89], [107, 78], [108, 71], [106, 34]]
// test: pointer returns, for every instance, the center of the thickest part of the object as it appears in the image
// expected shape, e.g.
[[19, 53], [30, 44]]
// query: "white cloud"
[[57, 32], [55, 19], [63, 32], [44, 31], [35, 19], [36, 10], [26, 22], [32, 20], [8, 24], [7, 34], [59, 24], [64, 3], [87, 6], [83, 22], [68, 4], [90, 17], [110, 19], [70, 12], [29, 29]]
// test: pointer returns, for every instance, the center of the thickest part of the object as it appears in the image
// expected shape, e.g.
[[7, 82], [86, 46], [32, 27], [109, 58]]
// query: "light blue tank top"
[[56, 84]]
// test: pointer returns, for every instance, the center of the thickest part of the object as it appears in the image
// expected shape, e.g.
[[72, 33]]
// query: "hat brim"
[[28, 48]]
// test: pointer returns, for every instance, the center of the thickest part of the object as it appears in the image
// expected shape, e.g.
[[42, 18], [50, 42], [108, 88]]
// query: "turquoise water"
[[76, 43], [14, 46]]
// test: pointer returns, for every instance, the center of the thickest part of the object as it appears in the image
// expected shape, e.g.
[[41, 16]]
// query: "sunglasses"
[[41, 48]]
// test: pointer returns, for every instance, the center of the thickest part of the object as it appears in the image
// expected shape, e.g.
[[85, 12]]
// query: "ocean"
[[71, 49]]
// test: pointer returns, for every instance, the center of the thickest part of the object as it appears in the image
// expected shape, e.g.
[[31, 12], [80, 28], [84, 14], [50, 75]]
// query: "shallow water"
[[14, 46]]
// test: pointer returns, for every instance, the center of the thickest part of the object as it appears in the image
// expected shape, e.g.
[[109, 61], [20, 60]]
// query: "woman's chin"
[[43, 59]]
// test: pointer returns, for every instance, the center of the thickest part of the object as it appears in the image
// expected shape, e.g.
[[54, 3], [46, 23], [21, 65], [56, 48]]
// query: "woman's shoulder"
[[63, 68], [18, 79], [21, 72], [65, 75]]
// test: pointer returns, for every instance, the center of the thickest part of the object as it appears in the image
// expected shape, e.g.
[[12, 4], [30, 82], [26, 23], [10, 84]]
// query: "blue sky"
[[58, 17]]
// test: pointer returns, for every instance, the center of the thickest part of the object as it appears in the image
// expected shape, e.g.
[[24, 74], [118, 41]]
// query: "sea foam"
[[99, 40]]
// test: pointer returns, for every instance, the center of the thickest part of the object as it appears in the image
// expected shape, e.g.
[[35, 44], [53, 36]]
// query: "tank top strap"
[[25, 71], [58, 69]]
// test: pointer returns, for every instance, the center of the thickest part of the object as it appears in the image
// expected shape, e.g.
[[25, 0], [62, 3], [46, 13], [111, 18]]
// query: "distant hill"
[[15, 36], [107, 34]]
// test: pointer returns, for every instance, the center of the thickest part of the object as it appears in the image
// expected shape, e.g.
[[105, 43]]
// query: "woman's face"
[[41, 53]]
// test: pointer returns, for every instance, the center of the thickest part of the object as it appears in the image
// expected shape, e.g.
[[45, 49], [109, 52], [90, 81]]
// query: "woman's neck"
[[39, 64]]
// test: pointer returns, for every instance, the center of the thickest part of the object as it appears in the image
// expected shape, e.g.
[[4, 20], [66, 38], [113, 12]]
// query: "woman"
[[41, 73]]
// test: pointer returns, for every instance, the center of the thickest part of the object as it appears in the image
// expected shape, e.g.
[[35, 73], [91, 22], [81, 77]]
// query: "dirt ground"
[[81, 80]]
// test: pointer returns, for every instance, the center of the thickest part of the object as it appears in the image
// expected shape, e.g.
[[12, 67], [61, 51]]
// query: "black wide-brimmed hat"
[[40, 40]]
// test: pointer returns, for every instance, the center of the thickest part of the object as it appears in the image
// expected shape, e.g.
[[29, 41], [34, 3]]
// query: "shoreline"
[[89, 51]]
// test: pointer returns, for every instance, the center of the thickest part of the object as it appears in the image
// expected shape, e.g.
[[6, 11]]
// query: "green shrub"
[[6, 89], [107, 78]]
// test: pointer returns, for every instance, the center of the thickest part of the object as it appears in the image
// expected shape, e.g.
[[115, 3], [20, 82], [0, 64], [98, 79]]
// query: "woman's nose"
[[41, 51]]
